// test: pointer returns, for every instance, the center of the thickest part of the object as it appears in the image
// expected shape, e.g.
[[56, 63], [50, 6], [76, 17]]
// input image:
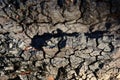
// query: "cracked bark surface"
[[59, 39]]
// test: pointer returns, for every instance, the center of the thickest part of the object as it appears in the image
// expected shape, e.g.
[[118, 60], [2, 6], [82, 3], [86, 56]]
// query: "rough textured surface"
[[59, 40]]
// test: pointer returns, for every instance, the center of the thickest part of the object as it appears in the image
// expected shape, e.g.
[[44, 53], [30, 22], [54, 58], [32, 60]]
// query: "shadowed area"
[[96, 34], [38, 41]]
